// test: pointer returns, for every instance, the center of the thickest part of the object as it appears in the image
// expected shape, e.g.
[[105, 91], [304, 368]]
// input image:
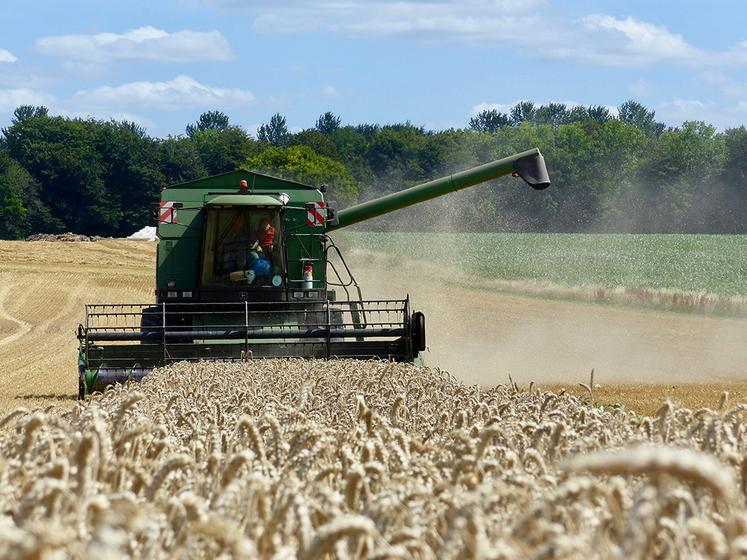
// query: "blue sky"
[[163, 62]]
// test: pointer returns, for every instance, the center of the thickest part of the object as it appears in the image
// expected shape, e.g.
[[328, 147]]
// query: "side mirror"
[[332, 219], [153, 214], [156, 212]]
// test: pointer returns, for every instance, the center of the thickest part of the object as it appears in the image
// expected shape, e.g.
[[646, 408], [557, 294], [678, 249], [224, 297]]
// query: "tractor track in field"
[[50, 337], [45, 286], [23, 326]]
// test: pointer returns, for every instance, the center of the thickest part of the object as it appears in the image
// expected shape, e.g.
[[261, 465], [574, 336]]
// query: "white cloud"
[[722, 115], [723, 84], [685, 106], [640, 88], [181, 92], [530, 25], [630, 42], [143, 43], [736, 56], [500, 107], [7, 56], [330, 92], [12, 98], [474, 21]]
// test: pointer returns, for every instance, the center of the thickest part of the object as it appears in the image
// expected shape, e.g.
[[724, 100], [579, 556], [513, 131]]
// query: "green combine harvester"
[[243, 272]]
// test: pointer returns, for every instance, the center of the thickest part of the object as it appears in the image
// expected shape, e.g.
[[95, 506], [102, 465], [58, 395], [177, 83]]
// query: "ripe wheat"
[[346, 459]]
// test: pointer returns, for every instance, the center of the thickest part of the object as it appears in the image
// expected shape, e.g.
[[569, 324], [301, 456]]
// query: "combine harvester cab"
[[242, 273]]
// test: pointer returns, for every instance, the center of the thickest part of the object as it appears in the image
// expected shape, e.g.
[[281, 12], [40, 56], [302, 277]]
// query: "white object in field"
[[148, 233]]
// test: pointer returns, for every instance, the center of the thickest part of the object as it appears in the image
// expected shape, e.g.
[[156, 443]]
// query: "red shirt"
[[266, 237]]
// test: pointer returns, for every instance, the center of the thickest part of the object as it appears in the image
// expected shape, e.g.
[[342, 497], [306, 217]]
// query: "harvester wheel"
[[81, 389], [418, 331]]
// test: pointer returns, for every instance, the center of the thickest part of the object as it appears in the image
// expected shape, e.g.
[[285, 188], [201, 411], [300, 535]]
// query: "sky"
[[436, 63]]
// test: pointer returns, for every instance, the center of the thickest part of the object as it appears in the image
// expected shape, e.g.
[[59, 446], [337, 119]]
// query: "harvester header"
[[243, 272]]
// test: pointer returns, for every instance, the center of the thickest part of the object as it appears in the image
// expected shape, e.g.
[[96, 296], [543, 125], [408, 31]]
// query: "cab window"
[[242, 247]]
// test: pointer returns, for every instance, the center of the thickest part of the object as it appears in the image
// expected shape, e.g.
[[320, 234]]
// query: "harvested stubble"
[[345, 459]]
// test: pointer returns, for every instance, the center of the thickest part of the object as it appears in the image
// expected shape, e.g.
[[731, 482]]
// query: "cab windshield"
[[242, 247]]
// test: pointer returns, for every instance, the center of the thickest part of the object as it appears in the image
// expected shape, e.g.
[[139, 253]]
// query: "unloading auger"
[[242, 272]]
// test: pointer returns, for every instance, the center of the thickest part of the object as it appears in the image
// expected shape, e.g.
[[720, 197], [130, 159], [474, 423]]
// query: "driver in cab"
[[266, 237]]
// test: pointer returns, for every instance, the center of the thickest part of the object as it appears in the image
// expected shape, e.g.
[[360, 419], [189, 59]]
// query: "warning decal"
[[315, 215], [167, 213]]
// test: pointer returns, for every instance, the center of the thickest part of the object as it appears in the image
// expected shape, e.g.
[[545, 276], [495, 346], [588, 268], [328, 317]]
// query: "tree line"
[[623, 172]]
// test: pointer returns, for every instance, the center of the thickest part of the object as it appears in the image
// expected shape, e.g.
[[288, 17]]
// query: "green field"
[[695, 264]]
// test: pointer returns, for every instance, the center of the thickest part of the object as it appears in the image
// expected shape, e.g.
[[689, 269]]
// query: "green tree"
[[130, 171], [24, 112], [599, 113], [625, 173], [679, 173], [327, 123], [275, 132], [211, 120], [735, 168], [320, 142], [578, 113], [61, 155], [301, 163], [593, 164], [368, 130], [223, 150], [523, 111], [180, 160], [12, 211], [726, 208], [489, 120], [633, 113], [36, 217], [553, 114], [394, 155], [351, 147]]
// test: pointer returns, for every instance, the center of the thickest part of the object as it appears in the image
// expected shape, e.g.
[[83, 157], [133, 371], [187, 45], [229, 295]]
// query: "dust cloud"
[[485, 333], [482, 335]]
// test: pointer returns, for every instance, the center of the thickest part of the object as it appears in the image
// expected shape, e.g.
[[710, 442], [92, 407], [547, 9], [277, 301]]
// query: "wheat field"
[[345, 459], [642, 357], [43, 288]]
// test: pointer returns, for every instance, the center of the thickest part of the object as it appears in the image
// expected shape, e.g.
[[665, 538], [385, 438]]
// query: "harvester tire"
[[81, 389], [418, 331]]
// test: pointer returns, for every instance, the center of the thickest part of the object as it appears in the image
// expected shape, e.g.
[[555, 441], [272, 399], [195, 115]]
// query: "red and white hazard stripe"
[[167, 213], [315, 215]]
